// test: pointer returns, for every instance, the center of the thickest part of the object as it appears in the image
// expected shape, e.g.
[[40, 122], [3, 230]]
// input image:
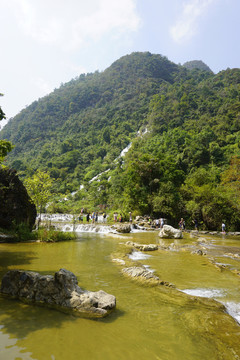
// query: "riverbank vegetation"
[[183, 125], [22, 233], [50, 235]]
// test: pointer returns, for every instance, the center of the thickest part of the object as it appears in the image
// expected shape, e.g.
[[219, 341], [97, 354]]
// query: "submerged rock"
[[60, 291], [169, 232], [119, 261], [141, 274], [142, 247]]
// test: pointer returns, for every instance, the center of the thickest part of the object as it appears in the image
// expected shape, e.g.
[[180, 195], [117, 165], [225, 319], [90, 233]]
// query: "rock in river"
[[60, 291], [170, 232]]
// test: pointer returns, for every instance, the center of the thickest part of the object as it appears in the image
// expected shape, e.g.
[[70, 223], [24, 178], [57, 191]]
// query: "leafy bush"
[[46, 235]]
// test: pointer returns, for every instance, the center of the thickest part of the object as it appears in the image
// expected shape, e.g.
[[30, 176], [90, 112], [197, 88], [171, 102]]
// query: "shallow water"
[[149, 322]]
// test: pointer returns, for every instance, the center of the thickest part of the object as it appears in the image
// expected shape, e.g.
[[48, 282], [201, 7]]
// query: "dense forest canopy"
[[183, 123]]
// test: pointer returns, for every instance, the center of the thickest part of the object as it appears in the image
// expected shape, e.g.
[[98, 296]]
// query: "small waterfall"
[[100, 229], [233, 308], [138, 255], [97, 176], [56, 217]]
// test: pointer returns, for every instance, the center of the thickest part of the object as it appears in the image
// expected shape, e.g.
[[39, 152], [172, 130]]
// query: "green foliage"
[[39, 189], [5, 146], [91, 118], [180, 168], [22, 232], [45, 235]]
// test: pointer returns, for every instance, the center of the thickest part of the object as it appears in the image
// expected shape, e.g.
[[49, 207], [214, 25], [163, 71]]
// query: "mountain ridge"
[[193, 139]]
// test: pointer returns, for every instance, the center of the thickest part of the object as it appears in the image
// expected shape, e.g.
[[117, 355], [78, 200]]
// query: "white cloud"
[[77, 23], [187, 24]]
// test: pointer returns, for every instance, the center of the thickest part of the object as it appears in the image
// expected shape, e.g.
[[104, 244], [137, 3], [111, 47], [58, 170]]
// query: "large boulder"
[[16, 206], [122, 228], [169, 232], [60, 291]]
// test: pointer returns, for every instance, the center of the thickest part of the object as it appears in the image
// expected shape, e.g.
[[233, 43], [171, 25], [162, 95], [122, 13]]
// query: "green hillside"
[[184, 162], [91, 118]]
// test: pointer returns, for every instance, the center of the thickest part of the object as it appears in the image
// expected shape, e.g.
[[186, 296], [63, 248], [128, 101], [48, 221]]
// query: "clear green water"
[[149, 322]]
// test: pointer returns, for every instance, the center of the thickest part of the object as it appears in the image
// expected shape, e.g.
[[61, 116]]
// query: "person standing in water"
[[223, 228], [195, 224], [130, 217]]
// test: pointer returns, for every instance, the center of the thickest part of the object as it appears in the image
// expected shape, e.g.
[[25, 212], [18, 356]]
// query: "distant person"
[[96, 217], [81, 215], [182, 224], [93, 217], [195, 224], [104, 217], [157, 223], [223, 228], [115, 217], [121, 218], [130, 217], [161, 223], [87, 217]]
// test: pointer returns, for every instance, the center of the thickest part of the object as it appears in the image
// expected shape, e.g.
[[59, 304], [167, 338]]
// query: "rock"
[[139, 271], [141, 274], [170, 232], [194, 234], [142, 223], [139, 218], [16, 206], [119, 261], [142, 247], [60, 291], [122, 228], [202, 240], [198, 252]]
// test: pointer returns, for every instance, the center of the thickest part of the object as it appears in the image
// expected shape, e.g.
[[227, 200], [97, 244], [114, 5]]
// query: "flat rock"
[[142, 247], [143, 275]]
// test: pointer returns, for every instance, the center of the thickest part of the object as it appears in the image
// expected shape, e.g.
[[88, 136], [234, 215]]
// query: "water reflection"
[[150, 322]]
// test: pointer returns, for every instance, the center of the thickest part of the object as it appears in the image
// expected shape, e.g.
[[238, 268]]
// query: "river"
[[149, 322]]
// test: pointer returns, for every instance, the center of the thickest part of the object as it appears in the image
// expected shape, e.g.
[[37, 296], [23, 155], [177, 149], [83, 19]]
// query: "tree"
[[5, 146], [39, 189]]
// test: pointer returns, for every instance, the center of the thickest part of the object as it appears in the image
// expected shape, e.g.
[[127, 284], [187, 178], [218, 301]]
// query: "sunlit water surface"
[[145, 324]]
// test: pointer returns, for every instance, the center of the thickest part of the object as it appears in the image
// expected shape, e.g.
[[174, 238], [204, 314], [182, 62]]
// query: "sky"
[[45, 43]]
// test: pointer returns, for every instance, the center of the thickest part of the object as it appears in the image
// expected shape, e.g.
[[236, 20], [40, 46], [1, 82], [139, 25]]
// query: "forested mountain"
[[196, 64], [91, 118], [185, 165]]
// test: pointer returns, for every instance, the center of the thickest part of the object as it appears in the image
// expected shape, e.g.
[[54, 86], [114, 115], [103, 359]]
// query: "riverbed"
[[150, 322]]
